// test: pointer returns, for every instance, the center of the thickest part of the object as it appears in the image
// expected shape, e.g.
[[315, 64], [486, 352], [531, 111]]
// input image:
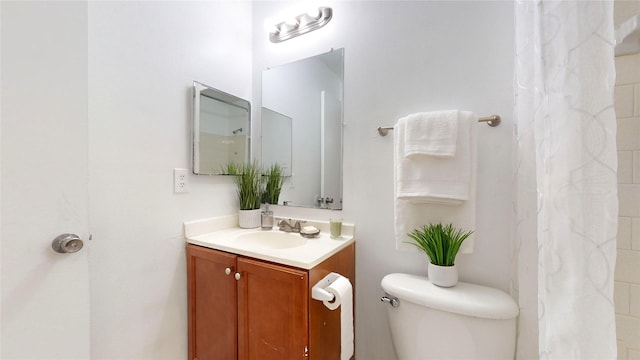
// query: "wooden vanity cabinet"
[[241, 308], [272, 311], [212, 304], [249, 309]]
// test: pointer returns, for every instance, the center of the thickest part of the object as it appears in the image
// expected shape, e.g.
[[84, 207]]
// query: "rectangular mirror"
[[310, 93], [221, 130]]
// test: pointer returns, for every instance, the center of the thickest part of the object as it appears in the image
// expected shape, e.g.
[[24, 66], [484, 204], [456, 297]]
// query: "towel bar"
[[493, 120]]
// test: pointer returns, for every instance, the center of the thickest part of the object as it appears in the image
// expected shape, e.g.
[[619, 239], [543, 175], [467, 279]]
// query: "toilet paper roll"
[[343, 293]]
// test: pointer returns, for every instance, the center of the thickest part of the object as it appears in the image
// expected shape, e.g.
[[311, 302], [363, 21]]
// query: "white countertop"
[[223, 234]]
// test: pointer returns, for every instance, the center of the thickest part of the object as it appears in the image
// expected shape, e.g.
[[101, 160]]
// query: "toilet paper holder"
[[318, 291]]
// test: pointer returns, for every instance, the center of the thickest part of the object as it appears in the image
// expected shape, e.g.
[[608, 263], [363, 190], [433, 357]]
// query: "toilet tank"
[[466, 321]]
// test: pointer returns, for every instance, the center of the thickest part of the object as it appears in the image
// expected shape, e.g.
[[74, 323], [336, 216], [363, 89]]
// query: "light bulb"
[[270, 27], [313, 13], [292, 22]]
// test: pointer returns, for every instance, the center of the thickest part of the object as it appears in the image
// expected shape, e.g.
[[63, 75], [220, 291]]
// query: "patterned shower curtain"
[[566, 192]]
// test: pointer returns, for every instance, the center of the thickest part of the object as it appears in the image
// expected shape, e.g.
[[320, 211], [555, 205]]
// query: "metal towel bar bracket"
[[493, 121]]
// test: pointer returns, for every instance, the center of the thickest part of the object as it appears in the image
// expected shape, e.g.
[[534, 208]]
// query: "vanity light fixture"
[[300, 24]]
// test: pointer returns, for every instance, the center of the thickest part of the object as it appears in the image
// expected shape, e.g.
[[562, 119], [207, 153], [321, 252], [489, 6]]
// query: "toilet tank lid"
[[464, 298]]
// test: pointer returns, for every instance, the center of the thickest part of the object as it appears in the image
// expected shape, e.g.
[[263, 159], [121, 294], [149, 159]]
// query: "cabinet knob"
[[227, 271], [238, 276]]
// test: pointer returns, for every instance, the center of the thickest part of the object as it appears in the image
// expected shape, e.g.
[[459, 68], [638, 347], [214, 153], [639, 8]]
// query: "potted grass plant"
[[248, 180], [273, 184], [441, 243]]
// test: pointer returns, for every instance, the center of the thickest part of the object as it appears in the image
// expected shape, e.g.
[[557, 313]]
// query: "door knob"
[[67, 244], [238, 276]]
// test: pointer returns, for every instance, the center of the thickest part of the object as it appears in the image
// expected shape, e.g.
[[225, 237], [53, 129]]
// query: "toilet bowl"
[[466, 321]]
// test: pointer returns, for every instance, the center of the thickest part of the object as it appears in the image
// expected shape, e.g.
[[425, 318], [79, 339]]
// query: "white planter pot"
[[249, 219], [443, 276]]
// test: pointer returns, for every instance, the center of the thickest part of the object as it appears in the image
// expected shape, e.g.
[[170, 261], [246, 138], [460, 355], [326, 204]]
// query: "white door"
[[44, 151]]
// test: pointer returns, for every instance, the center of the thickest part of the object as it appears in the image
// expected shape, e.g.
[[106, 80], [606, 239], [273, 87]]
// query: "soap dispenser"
[[266, 220]]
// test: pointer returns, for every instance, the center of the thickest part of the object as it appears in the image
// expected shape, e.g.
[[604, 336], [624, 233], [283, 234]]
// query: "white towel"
[[431, 133], [427, 179], [411, 212]]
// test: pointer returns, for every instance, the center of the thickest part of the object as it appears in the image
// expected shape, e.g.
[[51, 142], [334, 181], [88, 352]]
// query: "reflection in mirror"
[[276, 139], [221, 130], [310, 92]]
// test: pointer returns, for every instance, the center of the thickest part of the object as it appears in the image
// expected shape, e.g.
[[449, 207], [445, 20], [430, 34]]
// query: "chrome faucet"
[[286, 226]]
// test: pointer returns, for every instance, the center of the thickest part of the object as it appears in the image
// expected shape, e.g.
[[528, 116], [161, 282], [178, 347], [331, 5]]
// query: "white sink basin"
[[276, 246], [270, 240]]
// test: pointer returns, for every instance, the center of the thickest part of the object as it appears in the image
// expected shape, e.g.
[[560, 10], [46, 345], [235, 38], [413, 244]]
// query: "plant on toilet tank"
[[441, 243]]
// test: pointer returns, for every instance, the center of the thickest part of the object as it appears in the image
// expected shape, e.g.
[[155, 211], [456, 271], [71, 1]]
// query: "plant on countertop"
[[248, 180], [440, 242], [273, 186]]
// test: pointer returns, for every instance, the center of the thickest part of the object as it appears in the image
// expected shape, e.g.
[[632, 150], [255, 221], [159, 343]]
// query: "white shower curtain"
[[566, 191]]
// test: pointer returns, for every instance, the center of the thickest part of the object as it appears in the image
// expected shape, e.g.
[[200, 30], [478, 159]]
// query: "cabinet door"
[[212, 304], [272, 311]]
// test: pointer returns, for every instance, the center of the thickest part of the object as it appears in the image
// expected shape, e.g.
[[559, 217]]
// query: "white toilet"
[[466, 321]]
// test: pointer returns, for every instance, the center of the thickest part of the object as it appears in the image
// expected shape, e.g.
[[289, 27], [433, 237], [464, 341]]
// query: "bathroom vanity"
[[249, 294]]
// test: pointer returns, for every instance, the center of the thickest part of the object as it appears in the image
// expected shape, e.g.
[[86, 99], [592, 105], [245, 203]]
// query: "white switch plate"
[[180, 180]]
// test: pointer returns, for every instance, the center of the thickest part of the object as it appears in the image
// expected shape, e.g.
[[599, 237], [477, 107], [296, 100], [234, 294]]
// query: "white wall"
[[400, 58], [143, 57]]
